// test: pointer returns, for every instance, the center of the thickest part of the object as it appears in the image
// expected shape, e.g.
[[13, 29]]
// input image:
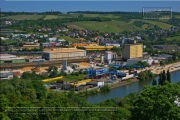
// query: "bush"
[[76, 73], [105, 88]]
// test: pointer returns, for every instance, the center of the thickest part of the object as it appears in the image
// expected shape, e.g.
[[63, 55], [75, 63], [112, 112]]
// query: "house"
[[51, 39], [17, 73]]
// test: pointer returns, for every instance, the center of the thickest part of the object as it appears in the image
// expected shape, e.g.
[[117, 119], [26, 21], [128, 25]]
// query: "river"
[[123, 91]]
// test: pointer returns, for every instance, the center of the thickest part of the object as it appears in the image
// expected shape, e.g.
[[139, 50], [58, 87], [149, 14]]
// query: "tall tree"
[[154, 82], [160, 79], [168, 76], [163, 76], [41, 47]]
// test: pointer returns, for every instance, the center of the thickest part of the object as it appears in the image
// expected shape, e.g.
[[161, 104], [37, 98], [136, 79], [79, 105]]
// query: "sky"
[[74, 5]]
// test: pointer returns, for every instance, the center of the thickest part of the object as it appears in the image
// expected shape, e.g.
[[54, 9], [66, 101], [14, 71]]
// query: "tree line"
[[153, 102], [163, 77]]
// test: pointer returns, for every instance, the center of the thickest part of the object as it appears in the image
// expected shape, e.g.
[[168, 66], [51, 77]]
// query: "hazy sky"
[[55, 5]]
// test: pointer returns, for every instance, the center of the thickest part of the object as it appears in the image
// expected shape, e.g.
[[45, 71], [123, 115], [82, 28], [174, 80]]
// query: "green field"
[[61, 16], [177, 16], [49, 17], [159, 24], [68, 39], [71, 78], [173, 38], [108, 26], [115, 26], [24, 17], [102, 15]]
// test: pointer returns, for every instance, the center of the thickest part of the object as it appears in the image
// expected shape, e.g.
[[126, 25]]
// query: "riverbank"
[[122, 83], [158, 69]]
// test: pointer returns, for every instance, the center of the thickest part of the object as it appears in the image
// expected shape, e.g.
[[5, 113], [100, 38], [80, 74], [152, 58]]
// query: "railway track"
[[39, 64]]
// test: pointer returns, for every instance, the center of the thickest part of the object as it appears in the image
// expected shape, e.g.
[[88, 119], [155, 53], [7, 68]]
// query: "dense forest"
[[153, 102]]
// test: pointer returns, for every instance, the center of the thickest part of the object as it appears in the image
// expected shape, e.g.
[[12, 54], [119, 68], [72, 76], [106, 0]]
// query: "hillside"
[[115, 26], [105, 22]]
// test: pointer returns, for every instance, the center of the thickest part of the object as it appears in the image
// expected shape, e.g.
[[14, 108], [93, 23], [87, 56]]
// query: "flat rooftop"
[[9, 57], [132, 44], [64, 50]]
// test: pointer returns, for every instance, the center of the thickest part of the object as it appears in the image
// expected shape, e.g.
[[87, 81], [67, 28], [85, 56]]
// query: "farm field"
[[159, 24], [115, 26], [102, 15], [49, 17], [108, 26], [24, 17]]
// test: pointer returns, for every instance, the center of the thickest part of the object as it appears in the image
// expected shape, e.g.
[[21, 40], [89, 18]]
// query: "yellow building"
[[132, 51], [98, 47]]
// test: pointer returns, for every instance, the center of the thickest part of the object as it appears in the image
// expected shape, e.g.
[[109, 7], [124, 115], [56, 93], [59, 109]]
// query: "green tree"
[[163, 76], [154, 82], [4, 102], [162, 63], [156, 102], [168, 76], [41, 47], [160, 80]]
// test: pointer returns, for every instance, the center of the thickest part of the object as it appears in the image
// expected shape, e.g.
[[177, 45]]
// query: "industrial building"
[[109, 56], [8, 58], [133, 61], [92, 46], [97, 47], [97, 73], [63, 53], [132, 51]]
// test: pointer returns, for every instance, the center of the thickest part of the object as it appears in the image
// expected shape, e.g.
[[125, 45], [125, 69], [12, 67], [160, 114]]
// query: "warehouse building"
[[133, 61], [8, 58], [132, 51], [63, 53]]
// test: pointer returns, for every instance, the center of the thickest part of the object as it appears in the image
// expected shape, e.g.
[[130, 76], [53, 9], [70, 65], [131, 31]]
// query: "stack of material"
[[84, 65], [39, 70], [27, 69]]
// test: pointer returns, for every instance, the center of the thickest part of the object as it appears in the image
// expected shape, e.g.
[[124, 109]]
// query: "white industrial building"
[[109, 56], [61, 53], [96, 83], [136, 60]]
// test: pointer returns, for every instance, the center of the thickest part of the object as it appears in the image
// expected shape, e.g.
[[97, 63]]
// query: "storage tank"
[[102, 58], [108, 56]]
